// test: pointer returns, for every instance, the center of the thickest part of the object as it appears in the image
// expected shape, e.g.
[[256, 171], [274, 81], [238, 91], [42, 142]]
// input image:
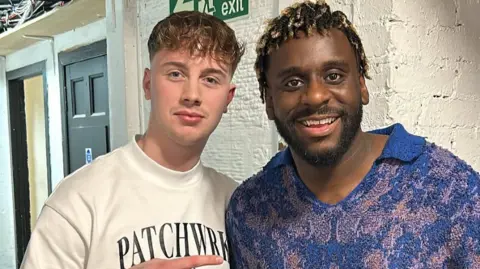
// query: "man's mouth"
[[318, 122], [318, 126]]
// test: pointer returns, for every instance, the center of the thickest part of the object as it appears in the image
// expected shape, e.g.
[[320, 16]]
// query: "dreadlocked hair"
[[304, 17]]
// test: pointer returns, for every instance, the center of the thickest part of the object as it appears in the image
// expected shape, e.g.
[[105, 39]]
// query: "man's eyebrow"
[[218, 71], [210, 70], [325, 66], [336, 64], [176, 64], [288, 71]]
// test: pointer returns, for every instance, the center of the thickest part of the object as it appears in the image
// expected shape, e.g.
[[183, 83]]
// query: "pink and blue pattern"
[[418, 207]]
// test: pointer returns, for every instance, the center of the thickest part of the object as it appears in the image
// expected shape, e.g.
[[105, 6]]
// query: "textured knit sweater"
[[418, 207]]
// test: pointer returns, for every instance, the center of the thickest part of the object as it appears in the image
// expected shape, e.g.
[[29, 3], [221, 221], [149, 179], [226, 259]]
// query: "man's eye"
[[334, 77], [175, 74], [211, 80], [294, 83]]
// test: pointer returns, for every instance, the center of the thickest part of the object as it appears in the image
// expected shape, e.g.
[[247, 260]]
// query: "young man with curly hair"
[[152, 203], [339, 197]]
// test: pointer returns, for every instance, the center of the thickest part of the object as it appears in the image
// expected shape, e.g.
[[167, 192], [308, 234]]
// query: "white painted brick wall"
[[435, 62], [424, 62]]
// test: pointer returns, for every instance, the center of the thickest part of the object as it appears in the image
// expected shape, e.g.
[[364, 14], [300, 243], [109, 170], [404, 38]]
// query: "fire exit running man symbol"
[[222, 9]]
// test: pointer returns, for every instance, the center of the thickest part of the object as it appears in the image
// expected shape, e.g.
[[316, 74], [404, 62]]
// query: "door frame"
[[93, 50], [20, 182]]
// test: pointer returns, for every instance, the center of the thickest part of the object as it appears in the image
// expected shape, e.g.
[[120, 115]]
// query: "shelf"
[[74, 14]]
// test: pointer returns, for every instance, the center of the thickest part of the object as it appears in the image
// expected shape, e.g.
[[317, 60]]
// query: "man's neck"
[[168, 153], [331, 184]]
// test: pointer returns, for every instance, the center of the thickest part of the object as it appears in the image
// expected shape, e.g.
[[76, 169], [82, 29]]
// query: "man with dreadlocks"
[[339, 197]]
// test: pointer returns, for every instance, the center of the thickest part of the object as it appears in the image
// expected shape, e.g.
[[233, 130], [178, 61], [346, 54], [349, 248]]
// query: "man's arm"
[[54, 244], [466, 225]]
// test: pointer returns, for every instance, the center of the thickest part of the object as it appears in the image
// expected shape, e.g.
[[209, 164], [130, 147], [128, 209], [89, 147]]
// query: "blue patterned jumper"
[[418, 207]]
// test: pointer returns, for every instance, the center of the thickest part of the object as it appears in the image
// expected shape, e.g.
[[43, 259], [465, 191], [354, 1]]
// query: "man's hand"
[[181, 263]]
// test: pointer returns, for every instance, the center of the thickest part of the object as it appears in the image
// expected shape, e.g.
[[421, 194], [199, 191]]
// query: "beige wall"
[[37, 155]]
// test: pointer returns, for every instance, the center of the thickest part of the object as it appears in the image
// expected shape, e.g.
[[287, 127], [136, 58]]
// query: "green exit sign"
[[222, 9]]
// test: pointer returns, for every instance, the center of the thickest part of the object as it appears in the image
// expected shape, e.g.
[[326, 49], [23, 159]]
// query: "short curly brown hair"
[[199, 33], [308, 17]]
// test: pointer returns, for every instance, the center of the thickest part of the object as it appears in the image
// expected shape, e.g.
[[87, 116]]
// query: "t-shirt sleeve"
[[54, 244]]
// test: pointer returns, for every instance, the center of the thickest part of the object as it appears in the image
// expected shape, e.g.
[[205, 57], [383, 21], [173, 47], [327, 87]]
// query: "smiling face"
[[188, 95], [315, 95]]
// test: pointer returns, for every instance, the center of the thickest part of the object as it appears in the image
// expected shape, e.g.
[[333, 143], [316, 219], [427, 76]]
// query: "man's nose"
[[316, 93], [191, 94]]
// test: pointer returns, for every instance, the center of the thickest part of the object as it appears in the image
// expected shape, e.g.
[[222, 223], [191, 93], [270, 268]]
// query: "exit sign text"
[[222, 9]]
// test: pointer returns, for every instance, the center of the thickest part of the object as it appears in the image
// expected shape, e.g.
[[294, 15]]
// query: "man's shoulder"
[[89, 180], [261, 185], [417, 153], [267, 179], [442, 172], [220, 184], [220, 179], [439, 162]]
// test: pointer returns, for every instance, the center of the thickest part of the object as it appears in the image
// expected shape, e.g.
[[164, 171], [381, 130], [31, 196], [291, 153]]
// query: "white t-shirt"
[[124, 208]]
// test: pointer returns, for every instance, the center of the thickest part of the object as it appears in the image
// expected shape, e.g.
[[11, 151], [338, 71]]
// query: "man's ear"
[[231, 94], [269, 104], [364, 91], [147, 84]]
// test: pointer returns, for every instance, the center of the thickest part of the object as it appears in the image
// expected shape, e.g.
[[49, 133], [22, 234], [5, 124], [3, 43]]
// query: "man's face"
[[315, 96], [188, 95]]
